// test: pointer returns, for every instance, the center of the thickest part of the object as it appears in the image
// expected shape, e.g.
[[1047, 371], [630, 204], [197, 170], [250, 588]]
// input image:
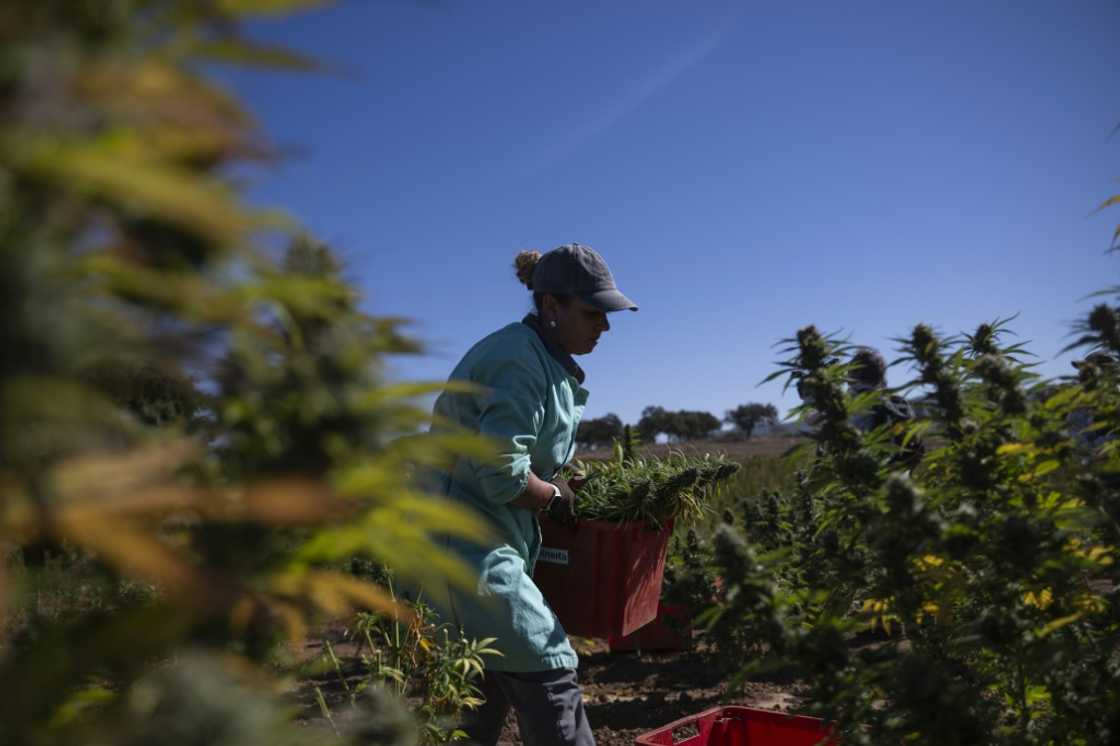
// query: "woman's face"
[[578, 324]]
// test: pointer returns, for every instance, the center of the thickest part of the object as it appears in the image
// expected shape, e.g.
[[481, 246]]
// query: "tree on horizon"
[[746, 417]]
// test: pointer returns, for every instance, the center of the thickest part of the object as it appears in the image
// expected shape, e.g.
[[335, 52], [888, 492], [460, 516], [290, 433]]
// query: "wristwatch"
[[555, 494]]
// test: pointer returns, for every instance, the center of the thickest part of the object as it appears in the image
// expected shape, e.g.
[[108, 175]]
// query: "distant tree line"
[[676, 426], [746, 417]]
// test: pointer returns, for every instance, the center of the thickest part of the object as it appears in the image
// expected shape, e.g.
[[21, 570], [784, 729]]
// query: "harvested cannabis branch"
[[651, 490]]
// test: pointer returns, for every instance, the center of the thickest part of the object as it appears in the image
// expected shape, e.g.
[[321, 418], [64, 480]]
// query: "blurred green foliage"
[[429, 664], [195, 433]]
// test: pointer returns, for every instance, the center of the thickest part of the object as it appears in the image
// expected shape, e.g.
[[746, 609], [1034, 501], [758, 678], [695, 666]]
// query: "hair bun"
[[525, 263]]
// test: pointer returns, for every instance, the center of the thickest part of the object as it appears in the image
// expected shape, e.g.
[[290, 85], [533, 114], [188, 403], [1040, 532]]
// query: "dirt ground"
[[625, 694], [628, 694]]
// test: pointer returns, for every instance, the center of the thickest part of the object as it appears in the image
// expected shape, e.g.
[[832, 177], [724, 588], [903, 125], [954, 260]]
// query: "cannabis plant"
[[431, 665], [127, 249], [986, 570]]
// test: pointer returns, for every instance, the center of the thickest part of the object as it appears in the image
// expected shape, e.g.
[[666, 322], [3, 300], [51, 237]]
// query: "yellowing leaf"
[[1091, 603], [138, 503], [174, 114], [1062, 397], [873, 604], [139, 555], [267, 7], [193, 296], [877, 609], [1046, 467], [1057, 624], [113, 474], [78, 702], [291, 616], [242, 613], [364, 594], [929, 561], [121, 173], [289, 502], [409, 390], [336, 593], [243, 52], [1101, 555]]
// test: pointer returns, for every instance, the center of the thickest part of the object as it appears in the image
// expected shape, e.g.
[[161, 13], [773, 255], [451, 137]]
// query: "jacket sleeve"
[[511, 414]]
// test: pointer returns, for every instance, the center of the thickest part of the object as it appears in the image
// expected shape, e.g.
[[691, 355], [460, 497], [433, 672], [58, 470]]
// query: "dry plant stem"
[[325, 710]]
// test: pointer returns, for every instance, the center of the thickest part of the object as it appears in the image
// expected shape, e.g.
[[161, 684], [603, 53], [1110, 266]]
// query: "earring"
[[552, 323]]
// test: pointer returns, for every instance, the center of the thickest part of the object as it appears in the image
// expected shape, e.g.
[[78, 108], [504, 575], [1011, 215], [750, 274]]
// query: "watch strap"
[[556, 493]]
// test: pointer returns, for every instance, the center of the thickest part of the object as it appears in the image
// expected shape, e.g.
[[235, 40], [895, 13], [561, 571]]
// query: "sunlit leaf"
[[1063, 397], [194, 297], [268, 7], [117, 169], [409, 390], [1046, 467], [117, 474], [290, 502], [363, 594], [1113, 200], [243, 52], [137, 554], [1058, 624], [79, 702], [1042, 599]]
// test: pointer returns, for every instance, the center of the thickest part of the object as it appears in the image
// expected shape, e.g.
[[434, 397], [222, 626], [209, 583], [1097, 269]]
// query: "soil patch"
[[628, 694]]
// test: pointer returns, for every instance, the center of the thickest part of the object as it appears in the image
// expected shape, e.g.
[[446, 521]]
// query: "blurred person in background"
[[530, 404], [1091, 371], [869, 373]]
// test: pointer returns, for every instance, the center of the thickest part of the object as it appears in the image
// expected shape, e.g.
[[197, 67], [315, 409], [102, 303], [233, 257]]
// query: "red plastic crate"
[[740, 726], [670, 630], [602, 579]]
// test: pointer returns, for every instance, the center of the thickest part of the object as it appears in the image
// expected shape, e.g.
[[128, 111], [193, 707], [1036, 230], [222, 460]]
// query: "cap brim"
[[611, 300]]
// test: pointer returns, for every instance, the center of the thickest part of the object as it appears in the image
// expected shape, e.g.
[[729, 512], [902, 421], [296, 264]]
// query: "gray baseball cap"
[[575, 269]]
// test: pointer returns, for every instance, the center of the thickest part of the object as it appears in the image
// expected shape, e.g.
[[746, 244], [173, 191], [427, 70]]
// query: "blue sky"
[[745, 169]]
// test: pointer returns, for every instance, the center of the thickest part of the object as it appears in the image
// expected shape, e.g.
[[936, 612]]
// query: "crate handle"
[[725, 734], [685, 732]]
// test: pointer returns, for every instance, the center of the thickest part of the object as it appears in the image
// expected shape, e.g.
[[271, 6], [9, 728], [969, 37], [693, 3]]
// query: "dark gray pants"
[[548, 704]]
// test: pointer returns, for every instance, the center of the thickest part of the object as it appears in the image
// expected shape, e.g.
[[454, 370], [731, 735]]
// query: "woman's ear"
[[549, 306]]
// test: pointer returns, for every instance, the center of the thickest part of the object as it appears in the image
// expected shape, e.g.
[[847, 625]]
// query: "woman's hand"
[[537, 494], [540, 495], [562, 507]]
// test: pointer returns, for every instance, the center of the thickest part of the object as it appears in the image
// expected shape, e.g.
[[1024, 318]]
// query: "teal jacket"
[[531, 405]]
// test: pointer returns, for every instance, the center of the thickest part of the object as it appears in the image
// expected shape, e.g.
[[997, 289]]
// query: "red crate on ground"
[[740, 726], [602, 579], [670, 630]]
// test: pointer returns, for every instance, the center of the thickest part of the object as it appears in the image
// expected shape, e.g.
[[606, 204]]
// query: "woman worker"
[[531, 402]]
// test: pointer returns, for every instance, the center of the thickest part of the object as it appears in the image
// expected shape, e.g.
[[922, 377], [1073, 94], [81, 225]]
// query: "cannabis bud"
[[1102, 320]]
